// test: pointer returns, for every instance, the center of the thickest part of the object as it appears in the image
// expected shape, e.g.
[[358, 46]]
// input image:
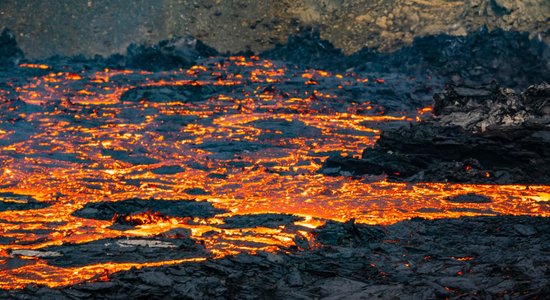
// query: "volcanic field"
[[175, 171]]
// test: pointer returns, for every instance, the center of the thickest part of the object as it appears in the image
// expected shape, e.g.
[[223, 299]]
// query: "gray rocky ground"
[[50, 27], [467, 258]]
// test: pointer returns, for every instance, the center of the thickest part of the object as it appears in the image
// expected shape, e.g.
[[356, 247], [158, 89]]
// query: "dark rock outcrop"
[[10, 53], [11, 201], [511, 58], [175, 93], [306, 48], [486, 134], [126, 249], [176, 208], [178, 52]]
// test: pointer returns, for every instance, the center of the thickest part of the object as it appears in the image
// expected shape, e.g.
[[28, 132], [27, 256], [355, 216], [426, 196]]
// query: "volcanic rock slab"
[[257, 220], [479, 134], [182, 93], [175, 53], [176, 208], [11, 201], [117, 250]]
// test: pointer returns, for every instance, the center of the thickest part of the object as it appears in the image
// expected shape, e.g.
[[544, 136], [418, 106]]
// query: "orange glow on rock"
[[255, 153]]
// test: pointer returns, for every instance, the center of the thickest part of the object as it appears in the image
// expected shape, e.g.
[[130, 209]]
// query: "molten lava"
[[253, 146]]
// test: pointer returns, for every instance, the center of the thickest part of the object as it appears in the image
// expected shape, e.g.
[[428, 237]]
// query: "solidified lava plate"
[[103, 170]]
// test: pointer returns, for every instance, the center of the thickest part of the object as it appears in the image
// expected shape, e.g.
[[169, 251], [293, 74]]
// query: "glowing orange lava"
[[244, 152]]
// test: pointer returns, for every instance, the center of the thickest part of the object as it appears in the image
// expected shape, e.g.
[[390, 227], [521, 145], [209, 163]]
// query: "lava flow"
[[244, 135]]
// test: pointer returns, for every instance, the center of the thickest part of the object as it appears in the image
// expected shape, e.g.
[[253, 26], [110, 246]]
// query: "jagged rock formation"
[[485, 134], [10, 53], [509, 58]]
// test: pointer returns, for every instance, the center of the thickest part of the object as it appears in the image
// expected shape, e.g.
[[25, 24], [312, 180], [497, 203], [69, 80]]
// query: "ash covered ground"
[[175, 172]]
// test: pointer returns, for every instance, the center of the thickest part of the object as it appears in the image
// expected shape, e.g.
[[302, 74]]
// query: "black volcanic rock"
[[175, 93], [10, 53], [175, 208], [349, 166], [260, 220], [178, 52], [126, 249], [168, 170], [511, 58], [492, 108], [469, 198], [11, 201], [306, 48], [478, 134], [472, 257], [348, 234]]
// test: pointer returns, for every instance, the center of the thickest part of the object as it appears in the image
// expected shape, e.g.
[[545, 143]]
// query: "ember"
[[177, 171]]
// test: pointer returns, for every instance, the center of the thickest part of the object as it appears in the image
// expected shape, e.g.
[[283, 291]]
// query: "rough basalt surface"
[[11, 201], [478, 134], [182, 93], [474, 258], [121, 250], [176, 208], [10, 53], [509, 58], [178, 52]]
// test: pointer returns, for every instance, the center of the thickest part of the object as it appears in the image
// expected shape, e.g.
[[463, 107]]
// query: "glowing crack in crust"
[[252, 144]]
